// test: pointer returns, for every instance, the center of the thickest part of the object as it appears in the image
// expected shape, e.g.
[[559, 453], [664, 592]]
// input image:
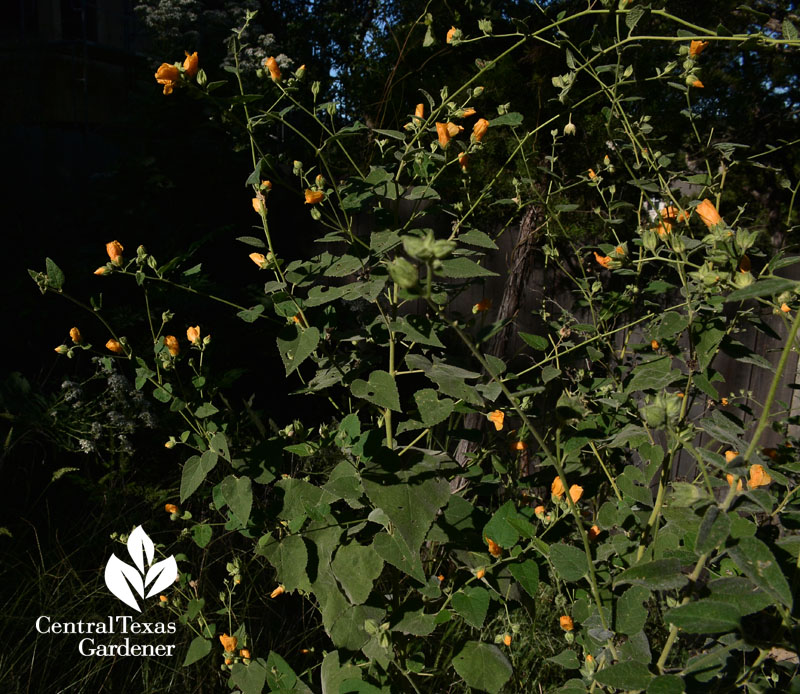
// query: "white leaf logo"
[[123, 579]]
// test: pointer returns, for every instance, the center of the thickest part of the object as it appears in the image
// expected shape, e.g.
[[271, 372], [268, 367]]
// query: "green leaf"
[[666, 684], [332, 675], [416, 623], [202, 534], [380, 390], [483, 666], [527, 575], [418, 329], [655, 374], [633, 16], [789, 30], [477, 238], [512, 119], [199, 648], [55, 277], [631, 613], [431, 409], [295, 345], [249, 678], [396, 552], [219, 444], [464, 268], [662, 574], [356, 567], [704, 616], [194, 472], [205, 410], [755, 560], [568, 561], [289, 557], [714, 530], [765, 287], [671, 324], [472, 603], [537, 342], [629, 675], [567, 659], [499, 529], [250, 315], [238, 495]]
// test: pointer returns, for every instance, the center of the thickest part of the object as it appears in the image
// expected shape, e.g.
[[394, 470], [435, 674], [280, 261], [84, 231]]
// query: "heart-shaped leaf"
[[380, 390], [431, 409], [238, 495]]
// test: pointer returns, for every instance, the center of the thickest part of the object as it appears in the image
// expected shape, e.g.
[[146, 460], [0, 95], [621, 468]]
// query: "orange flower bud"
[[244, 653], [258, 258], [163, 598], [258, 204], [313, 196], [191, 64], [480, 573], [494, 549], [557, 488], [654, 344], [100, 270], [114, 250], [785, 308], [497, 418], [519, 446], [507, 639], [575, 493], [443, 134], [663, 228], [758, 477], [483, 305], [566, 623], [592, 174], [453, 129], [730, 455], [593, 532], [440, 577], [463, 161], [228, 643], [539, 511], [76, 336], [274, 71], [467, 112], [724, 402], [193, 333], [419, 111], [451, 34], [114, 346], [61, 349], [170, 508], [730, 479], [266, 185], [172, 345], [603, 260], [619, 250], [169, 76], [698, 84], [696, 48], [280, 590], [228, 661], [479, 129]]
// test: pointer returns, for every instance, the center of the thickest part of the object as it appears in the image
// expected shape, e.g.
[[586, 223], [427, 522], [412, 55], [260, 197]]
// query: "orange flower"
[[76, 336], [450, 34], [483, 305], [594, 532], [771, 453], [539, 511], [114, 250], [696, 48], [730, 479], [244, 653], [654, 344], [557, 488], [100, 271], [744, 264], [280, 590], [724, 402], [479, 129], [494, 549], [274, 71], [114, 346], [228, 661], [670, 212], [228, 643], [603, 260], [172, 345], [258, 203], [497, 417], [297, 318], [170, 508], [575, 493], [519, 446], [419, 111], [193, 333], [480, 573], [785, 308], [730, 455], [663, 228], [163, 598], [168, 75], [191, 64], [708, 213], [463, 161], [61, 349], [443, 134], [758, 477], [507, 639], [698, 84], [453, 129], [314, 196], [440, 577], [566, 622], [467, 112], [684, 216], [258, 258], [592, 174], [619, 250]]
